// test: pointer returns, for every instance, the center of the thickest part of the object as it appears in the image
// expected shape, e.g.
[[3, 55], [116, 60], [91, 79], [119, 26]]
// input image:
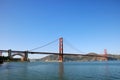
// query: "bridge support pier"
[[10, 54], [0, 53], [60, 49], [26, 56]]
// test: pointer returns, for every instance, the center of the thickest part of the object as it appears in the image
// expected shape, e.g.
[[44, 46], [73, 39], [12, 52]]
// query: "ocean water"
[[109, 70]]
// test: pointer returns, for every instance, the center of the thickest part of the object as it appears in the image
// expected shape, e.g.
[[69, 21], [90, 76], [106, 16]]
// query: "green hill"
[[80, 58]]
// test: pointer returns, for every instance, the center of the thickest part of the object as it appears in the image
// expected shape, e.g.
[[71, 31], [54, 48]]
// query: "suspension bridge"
[[60, 54]]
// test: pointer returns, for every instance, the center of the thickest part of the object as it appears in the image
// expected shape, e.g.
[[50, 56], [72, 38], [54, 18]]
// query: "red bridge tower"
[[105, 54], [61, 49]]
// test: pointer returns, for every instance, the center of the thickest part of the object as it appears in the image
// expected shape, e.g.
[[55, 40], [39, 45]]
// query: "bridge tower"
[[105, 54], [61, 49]]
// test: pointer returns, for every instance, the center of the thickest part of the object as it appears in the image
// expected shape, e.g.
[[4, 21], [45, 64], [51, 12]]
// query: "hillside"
[[81, 58]]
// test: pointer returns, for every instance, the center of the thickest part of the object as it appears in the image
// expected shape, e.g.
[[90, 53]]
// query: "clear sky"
[[89, 25]]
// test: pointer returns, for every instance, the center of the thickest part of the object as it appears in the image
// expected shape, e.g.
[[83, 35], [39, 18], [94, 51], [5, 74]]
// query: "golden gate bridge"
[[60, 54]]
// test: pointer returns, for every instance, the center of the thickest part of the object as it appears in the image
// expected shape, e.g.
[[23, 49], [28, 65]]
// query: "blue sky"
[[89, 25]]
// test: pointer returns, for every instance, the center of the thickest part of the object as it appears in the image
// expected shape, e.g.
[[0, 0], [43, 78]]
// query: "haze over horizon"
[[89, 25]]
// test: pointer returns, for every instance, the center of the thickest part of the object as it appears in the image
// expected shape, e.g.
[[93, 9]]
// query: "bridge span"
[[24, 54]]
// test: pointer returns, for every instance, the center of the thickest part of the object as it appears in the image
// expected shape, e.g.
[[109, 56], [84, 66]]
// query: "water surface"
[[60, 71]]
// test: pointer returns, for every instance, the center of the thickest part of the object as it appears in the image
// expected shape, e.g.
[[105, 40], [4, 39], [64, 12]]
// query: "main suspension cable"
[[72, 47], [44, 45]]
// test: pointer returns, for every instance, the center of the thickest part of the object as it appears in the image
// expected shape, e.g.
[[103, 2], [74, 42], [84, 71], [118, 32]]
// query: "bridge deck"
[[29, 52]]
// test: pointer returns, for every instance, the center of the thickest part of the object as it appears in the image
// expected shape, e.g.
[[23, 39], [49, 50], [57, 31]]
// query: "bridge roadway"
[[30, 52]]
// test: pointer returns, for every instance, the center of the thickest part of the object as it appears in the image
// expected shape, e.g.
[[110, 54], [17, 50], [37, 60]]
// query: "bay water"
[[108, 70]]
